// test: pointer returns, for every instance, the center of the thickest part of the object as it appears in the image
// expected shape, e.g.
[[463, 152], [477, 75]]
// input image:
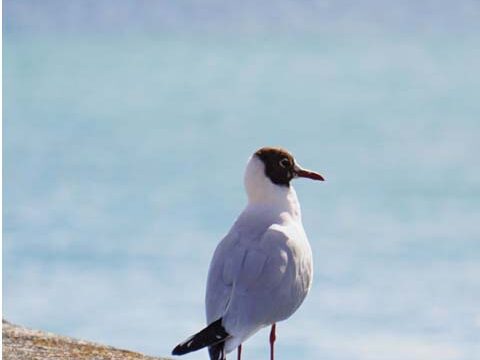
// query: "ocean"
[[123, 168]]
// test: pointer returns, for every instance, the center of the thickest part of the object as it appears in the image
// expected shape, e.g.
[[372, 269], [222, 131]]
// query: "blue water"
[[123, 165]]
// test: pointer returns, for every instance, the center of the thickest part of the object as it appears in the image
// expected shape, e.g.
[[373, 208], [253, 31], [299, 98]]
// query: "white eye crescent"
[[284, 163]]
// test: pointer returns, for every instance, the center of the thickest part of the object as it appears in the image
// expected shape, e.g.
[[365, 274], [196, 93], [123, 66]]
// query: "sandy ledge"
[[20, 343]]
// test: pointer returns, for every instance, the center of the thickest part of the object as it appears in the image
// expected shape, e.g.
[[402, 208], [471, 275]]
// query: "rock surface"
[[20, 343]]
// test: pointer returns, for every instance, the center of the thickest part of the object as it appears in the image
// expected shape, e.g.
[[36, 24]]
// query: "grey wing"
[[225, 263], [262, 293]]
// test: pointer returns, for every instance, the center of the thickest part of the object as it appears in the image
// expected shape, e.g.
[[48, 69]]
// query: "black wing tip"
[[178, 350], [211, 335], [183, 348]]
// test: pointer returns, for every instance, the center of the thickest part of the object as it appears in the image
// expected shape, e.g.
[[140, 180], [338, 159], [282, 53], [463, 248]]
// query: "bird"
[[261, 271]]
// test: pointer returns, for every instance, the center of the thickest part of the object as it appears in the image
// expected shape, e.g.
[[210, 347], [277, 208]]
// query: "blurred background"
[[127, 126]]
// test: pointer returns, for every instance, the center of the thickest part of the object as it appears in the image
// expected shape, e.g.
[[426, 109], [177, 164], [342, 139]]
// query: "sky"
[[344, 16]]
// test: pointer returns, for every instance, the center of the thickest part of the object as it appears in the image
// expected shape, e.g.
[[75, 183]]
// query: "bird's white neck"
[[261, 191]]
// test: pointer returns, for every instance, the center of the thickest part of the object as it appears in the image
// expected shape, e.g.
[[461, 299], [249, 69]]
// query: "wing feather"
[[254, 300], [222, 273]]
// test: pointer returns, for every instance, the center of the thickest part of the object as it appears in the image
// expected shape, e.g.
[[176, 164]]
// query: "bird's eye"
[[284, 163]]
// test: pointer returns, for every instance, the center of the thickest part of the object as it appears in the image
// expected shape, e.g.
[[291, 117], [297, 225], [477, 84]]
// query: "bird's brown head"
[[281, 168]]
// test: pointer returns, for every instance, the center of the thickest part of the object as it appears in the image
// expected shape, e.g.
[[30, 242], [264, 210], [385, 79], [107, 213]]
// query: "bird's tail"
[[217, 351], [213, 336]]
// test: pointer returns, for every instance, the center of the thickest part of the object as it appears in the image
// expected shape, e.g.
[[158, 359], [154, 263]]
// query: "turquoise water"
[[123, 164]]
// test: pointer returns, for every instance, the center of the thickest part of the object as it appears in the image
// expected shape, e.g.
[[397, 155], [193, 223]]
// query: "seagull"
[[262, 269]]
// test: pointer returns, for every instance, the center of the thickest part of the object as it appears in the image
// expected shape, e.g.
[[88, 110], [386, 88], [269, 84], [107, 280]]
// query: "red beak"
[[309, 174]]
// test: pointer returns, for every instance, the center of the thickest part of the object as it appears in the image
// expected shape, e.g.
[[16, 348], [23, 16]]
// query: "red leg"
[[273, 337], [239, 352]]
